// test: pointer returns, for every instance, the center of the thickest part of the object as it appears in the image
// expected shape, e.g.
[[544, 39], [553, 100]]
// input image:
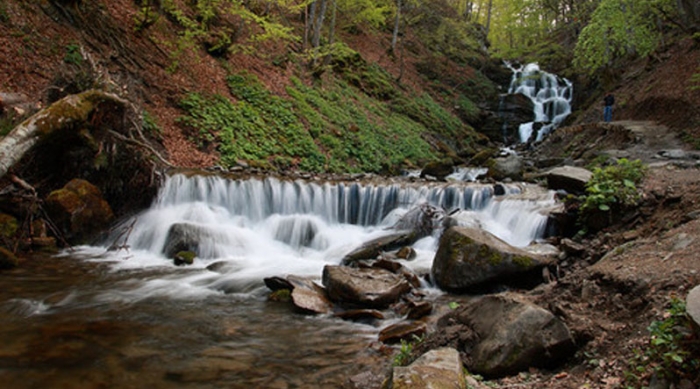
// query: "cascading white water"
[[550, 94], [258, 228]]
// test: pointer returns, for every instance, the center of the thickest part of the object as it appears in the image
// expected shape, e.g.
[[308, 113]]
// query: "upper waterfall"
[[550, 94]]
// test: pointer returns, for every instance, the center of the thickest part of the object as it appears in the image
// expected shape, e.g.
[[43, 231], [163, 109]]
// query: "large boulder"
[[365, 287], [79, 210], [511, 166], [692, 304], [191, 237], [438, 169], [569, 178], [469, 258], [439, 368], [512, 335]]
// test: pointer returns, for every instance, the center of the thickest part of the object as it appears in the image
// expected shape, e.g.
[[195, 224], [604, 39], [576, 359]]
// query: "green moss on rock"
[[184, 258], [8, 225]]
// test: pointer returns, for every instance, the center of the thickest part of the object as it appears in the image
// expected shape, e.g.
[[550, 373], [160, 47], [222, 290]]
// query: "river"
[[93, 318]]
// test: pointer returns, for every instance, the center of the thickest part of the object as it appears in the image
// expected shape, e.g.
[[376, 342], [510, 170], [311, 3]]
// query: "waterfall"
[[550, 94], [249, 229]]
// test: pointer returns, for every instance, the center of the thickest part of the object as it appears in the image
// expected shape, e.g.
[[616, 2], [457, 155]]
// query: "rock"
[[374, 247], [570, 247], [398, 268], [183, 258], [470, 257], [692, 306], [7, 259], [407, 253], [569, 178], [512, 335], [402, 331], [308, 296], [419, 309], [421, 221], [673, 154], [438, 169], [360, 315], [510, 166], [369, 287], [277, 283], [189, 237], [439, 368], [79, 210]]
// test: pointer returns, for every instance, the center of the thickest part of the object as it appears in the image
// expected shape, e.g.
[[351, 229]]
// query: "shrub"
[[673, 351], [614, 187]]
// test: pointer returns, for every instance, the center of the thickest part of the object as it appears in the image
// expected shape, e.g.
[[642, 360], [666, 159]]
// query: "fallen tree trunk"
[[65, 113]]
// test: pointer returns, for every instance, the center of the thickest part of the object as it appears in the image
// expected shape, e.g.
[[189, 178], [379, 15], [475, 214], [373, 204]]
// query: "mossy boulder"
[[79, 210], [510, 166], [469, 258], [438, 169], [512, 335]]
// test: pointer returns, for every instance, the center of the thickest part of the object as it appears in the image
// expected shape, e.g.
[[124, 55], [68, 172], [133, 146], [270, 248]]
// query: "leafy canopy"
[[619, 28]]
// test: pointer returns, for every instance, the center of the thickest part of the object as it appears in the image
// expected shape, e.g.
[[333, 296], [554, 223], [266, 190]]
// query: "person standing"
[[608, 102]]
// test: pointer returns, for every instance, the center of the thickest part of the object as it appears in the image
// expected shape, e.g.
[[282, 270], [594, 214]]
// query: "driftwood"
[[66, 113]]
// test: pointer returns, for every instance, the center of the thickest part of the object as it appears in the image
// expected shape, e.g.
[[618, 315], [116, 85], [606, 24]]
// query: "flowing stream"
[[131, 318]]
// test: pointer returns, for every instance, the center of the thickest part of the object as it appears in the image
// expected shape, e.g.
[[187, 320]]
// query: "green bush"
[[614, 187], [673, 351]]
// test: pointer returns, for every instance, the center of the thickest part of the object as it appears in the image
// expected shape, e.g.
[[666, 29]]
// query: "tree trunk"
[[71, 112], [331, 34], [395, 34], [319, 24], [488, 18]]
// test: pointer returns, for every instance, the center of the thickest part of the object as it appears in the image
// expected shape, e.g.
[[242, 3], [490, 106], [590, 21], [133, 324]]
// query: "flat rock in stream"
[[366, 287], [308, 296]]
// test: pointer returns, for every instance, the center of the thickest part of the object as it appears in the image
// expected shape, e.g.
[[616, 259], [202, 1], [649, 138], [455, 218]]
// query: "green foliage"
[[73, 54], [149, 124], [695, 80], [4, 16], [613, 187], [261, 128], [620, 28], [405, 355], [673, 351], [146, 16]]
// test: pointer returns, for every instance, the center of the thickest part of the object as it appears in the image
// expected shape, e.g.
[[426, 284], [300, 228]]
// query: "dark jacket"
[[609, 100]]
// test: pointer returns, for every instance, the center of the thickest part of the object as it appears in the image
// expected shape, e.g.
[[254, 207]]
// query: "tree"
[[620, 28]]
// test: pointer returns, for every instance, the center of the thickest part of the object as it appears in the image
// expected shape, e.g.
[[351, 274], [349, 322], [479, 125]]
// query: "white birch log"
[[63, 113]]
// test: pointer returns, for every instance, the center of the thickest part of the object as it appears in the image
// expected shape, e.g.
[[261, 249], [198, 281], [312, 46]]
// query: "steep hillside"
[[256, 103]]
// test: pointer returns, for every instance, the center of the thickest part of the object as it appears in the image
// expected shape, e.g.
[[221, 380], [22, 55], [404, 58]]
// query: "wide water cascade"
[[550, 94], [130, 317]]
